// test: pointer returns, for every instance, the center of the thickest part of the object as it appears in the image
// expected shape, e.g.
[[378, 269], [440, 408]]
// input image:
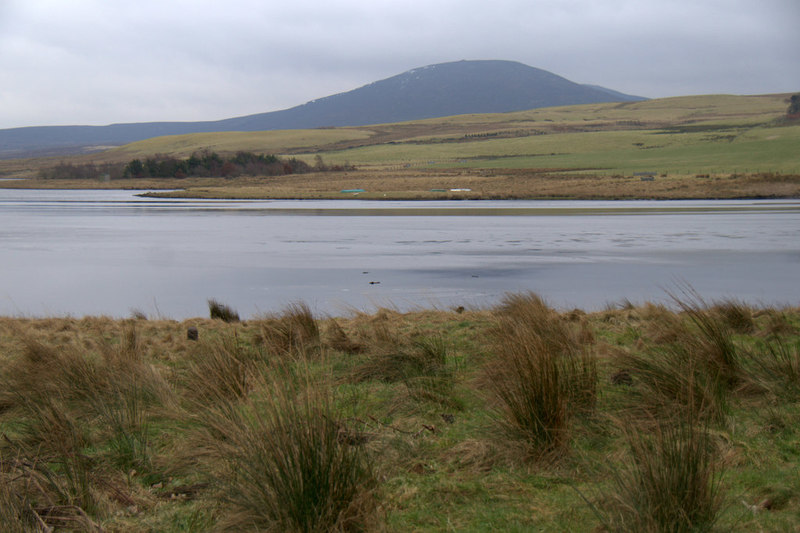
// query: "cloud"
[[97, 62]]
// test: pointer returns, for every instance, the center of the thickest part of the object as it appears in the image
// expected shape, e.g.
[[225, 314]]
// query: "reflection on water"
[[109, 252]]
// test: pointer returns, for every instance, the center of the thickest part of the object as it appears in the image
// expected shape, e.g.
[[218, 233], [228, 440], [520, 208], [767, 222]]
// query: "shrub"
[[793, 111]]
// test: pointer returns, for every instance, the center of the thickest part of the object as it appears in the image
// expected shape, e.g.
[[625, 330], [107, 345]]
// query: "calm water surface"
[[112, 252]]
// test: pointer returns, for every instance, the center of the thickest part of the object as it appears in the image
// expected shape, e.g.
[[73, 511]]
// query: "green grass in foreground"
[[515, 418]]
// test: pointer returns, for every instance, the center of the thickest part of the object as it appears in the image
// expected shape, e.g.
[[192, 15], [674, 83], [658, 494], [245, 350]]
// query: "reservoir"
[[76, 253]]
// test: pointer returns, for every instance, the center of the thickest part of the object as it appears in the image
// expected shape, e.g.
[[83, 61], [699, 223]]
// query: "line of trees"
[[207, 163], [199, 164]]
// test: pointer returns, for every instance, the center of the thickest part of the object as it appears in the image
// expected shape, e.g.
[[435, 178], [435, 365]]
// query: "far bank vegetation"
[[204, 163]]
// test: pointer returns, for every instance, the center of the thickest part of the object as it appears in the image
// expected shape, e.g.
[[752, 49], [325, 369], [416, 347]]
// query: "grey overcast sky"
[[111, 61]]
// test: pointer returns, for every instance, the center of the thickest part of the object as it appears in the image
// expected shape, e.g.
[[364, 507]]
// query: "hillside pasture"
[[677, 136], [267, 142], [715, 146]]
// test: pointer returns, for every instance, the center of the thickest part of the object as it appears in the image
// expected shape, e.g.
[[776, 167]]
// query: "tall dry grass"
[[28, 505], [735, 314], [422, 364], [223, 367], [714, 339], [81, 411], [694, 363], [773, 366], [540, 374], [287, 465], [672, 378], [293, 333], [672, 481], [221, 311], [16, 508], [57, 440]]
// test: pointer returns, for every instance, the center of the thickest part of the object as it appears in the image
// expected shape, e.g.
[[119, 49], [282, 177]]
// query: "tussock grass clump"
[[429, 377], [674, 377], [223, 368], [293, 333], [77, 372], [337, 339], [736, 315], [287, 466], [125, 413], [778, 323], [403, 360], [58, 440], [661, 325], [16, 514], [222, 312], [714, 338], [81, 411], [421, 364], [694, 363], [382, 328], [774, 366], [673, 481], [540, 374], [27, 505], [43, 370]]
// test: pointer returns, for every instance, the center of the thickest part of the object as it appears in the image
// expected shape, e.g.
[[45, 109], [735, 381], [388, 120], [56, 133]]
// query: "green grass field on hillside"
[[694, 140], [270, 142], [685, 135], [746, 141]]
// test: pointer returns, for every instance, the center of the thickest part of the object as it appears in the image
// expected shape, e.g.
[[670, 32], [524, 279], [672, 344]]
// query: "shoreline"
[[446, 184], [166, 192]]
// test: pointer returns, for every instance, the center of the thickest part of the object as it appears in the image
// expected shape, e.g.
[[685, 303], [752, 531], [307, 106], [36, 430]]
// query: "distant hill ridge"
[[456, 88]]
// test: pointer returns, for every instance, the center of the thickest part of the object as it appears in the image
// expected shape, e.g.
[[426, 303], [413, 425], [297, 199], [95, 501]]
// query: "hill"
[[456, 88], [712, 146]]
